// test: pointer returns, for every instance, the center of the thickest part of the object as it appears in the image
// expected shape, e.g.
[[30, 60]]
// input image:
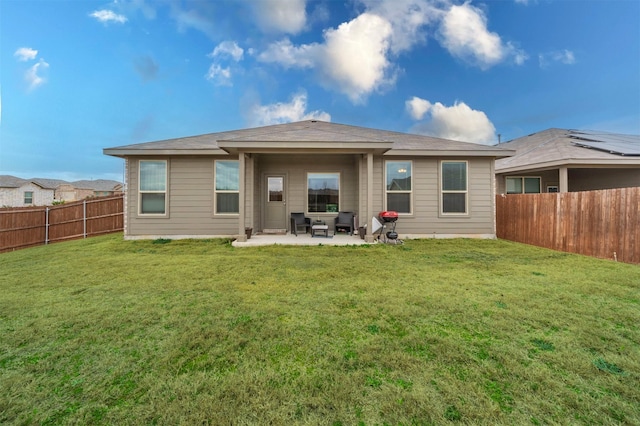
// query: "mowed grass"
[[106, 331]]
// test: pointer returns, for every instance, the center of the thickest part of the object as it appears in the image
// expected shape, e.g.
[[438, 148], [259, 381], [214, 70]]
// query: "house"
[[559, 160], [218, 184], [17, 192]]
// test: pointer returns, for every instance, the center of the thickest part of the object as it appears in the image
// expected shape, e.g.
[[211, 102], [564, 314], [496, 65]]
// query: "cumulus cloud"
[[464, 33], [565, 57], [25, 54], [408, 20], [108, 16], [457, 122], [280, 112], [34, 76], [280, 16], [352, 59], [228, 49], [219, 76], [417, 107]]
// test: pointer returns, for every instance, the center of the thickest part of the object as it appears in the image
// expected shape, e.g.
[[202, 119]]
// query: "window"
[[454, 187], [28, 197], [323, 192], [227, 187], [398, 186], [153, 187], [523, 185]]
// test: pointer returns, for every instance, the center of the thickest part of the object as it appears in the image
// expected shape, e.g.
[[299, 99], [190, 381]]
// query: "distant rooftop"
[[8, 181]]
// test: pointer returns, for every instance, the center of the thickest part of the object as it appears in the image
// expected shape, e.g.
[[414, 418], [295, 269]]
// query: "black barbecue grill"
[[388, 220]]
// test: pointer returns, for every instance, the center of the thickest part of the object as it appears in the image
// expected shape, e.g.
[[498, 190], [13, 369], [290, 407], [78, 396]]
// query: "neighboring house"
[[558, 160], [17, 192], [216, 185]]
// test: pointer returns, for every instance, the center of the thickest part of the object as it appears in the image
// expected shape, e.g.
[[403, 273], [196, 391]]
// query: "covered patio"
[[302, 239]]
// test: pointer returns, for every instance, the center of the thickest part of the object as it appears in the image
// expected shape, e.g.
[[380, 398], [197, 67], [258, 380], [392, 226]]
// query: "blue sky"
[[79, 76]]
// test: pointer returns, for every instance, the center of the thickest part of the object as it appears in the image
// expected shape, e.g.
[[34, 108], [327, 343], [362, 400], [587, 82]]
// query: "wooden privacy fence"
[[20, 228], [604, 224]]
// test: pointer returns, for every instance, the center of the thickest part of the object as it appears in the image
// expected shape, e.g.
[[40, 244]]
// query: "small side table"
[[321, 227]]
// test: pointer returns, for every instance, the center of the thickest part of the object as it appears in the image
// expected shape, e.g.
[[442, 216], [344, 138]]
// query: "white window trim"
[[522, 178], [216, 192], [307, 192], [410, 192], [25, 197], [165, 192], [465, 192]]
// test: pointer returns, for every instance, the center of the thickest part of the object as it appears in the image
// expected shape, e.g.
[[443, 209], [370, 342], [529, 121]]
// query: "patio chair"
[[344, 220], [299, 221]]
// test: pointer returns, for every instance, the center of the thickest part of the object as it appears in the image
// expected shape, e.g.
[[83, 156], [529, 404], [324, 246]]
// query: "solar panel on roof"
[[608, 142]]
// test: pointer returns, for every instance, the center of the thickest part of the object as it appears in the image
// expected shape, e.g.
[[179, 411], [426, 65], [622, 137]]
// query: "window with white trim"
[[153, 187], [523, 185], [28, 197], [323, 192], [398, 186], [227, 187], [454, 187]]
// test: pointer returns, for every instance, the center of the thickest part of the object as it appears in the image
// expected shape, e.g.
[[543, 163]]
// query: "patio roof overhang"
[[304, 147]]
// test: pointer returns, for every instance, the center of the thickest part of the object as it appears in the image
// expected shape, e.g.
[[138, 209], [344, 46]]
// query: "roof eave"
[[124, 152], [626, 162], [502, 153]]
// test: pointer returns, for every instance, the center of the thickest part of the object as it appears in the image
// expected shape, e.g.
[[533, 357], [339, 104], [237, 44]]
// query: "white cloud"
[[408, 19], [107, 16], [565, 57], [457, 122], [295, 110], [25, 54], [228, 49], [352, 59], [33, 75], [355, 56], [284, 53], [280, 16], [417, 107], [464, 33], [219, 76]]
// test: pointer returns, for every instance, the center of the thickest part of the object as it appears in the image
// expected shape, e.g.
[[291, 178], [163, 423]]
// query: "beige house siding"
[[190, 207], [191, 197], [426, 219]]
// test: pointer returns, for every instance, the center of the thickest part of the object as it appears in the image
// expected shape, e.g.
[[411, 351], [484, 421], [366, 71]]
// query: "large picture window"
[[153, 187], [323, 192], [523, 185], [454, 187], [227, 187], [398, 185]]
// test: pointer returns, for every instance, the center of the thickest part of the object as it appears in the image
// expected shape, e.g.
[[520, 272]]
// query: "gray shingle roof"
[[312, 131], [555, 147], [8, 181]]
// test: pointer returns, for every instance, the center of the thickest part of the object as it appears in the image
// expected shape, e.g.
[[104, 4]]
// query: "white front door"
[[275, 216]]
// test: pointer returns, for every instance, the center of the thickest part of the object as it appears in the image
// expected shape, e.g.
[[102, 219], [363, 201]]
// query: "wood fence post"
[[46, 226], [84, 218]]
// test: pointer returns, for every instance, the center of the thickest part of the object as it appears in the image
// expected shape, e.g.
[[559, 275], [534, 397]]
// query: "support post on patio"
[[563, 177], [242, 236], [369, 237]]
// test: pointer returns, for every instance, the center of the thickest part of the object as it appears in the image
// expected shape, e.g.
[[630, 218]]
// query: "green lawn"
[[106, 331]]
